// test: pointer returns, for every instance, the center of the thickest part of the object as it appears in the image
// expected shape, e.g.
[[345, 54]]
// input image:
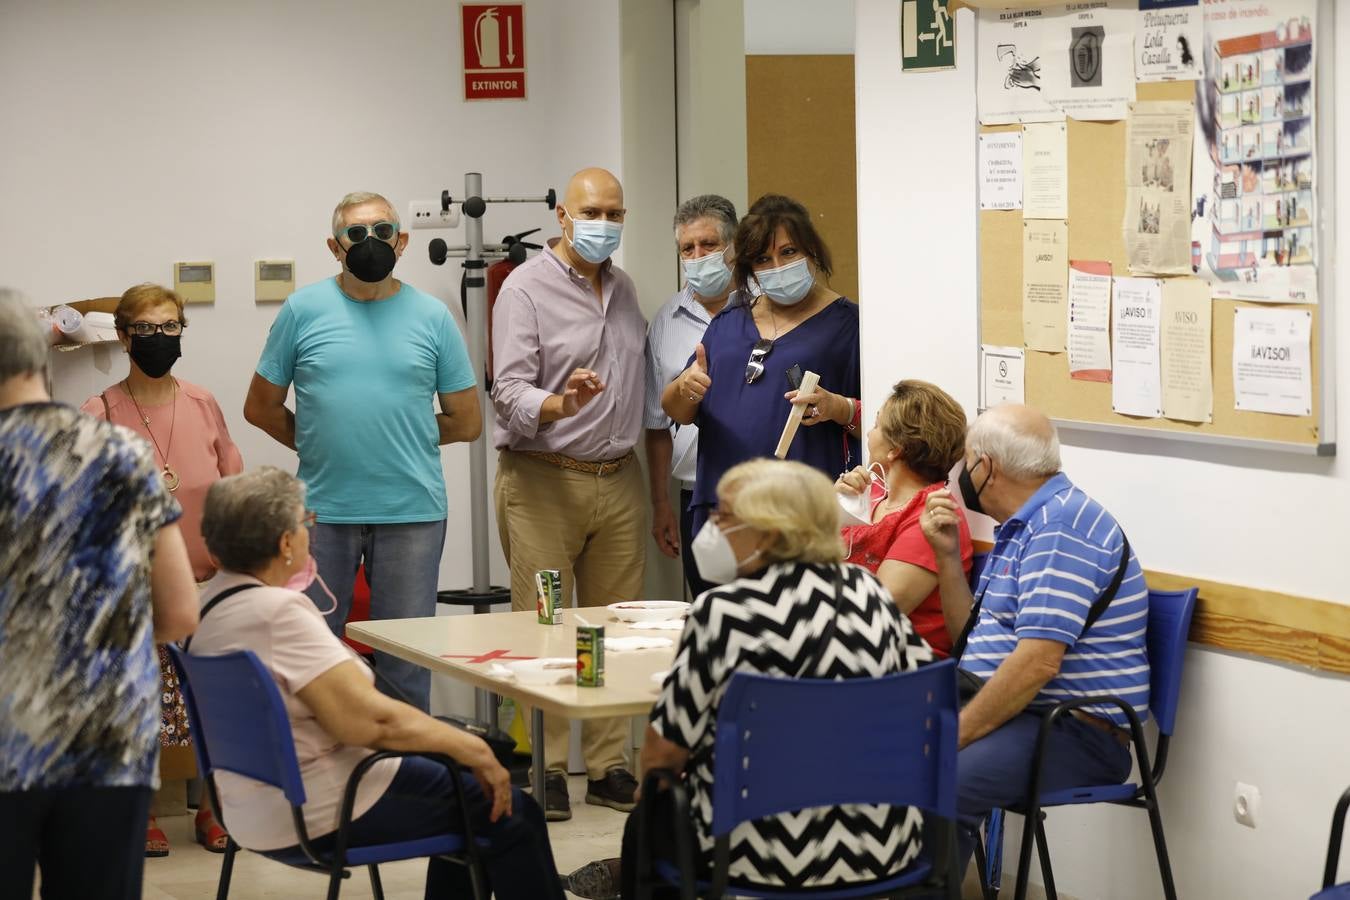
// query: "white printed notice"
[[1045, 171], [1001, 170], [1089, 320], [1002, 375], [1088, 59], [1187, 367], [1169, 40], [1045, 276], [1009, 88], [1272, 360], [1136, 382]]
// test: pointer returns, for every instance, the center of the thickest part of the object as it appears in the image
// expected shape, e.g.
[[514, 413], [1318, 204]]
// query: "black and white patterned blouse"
[[770, 624]]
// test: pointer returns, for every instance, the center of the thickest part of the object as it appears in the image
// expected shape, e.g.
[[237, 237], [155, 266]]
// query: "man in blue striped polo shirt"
[[1056, 553]]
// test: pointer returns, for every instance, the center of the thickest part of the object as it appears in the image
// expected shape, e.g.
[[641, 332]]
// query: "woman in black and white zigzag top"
[[773, 545]]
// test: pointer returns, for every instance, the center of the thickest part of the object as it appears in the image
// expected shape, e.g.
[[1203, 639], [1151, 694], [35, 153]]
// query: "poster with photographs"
[[1254, 208], [1158, 188]]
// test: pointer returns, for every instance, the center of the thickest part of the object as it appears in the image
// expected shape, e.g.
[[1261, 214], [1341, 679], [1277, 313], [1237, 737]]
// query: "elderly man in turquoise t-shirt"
[[367, 354]]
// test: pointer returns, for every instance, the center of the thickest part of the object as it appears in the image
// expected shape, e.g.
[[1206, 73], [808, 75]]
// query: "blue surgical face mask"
[[595, 239], [707, 276], [787, 285]]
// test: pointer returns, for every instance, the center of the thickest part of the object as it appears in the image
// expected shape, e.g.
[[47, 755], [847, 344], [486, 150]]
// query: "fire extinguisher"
[[516, 252]]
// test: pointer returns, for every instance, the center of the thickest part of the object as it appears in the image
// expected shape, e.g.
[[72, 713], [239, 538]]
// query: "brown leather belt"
[[598, 467], [1101, 724]]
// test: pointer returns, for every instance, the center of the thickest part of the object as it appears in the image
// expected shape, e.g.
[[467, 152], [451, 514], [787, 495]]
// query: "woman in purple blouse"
[[738, 388]]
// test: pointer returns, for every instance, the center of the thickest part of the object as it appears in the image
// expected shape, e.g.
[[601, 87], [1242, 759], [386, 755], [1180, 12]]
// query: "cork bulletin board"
[[1096, 181]]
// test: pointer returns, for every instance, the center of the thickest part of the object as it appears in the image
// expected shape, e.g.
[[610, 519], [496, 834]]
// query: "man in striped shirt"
[[1056, 554]]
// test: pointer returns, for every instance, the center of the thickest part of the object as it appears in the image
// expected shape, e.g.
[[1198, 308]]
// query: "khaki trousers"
[[591, 528]]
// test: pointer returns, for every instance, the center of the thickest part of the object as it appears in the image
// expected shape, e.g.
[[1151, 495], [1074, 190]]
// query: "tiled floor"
[[190, 873]]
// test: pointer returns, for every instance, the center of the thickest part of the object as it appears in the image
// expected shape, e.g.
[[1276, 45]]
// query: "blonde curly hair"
[[790, 501]]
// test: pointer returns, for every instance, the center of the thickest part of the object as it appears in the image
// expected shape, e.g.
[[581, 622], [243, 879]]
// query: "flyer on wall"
[[1169, 41], [1038, 65], [1254, 212]]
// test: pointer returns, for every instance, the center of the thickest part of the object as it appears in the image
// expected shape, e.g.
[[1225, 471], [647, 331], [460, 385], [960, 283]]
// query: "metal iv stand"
[[476, 254]]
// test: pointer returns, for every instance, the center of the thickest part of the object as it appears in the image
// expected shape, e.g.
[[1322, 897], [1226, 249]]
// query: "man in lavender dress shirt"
[[567, 343]]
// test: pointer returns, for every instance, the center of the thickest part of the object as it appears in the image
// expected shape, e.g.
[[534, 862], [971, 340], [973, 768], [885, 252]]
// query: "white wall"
[[798, 26], [147, 132], [1249, 518]]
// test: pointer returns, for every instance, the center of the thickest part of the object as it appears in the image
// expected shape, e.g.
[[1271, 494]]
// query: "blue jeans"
[[403, 565], [995, 771], [419, 802]]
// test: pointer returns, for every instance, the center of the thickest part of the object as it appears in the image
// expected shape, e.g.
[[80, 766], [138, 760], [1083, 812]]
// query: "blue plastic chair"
[[239, 725], [1169, 622], [888, 740], [1331, 890]]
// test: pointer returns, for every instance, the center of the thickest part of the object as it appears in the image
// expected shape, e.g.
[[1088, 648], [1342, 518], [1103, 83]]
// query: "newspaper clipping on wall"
[[1158, 187]]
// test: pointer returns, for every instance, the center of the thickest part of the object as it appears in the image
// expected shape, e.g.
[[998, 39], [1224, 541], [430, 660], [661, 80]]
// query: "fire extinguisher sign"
[[494, 51]]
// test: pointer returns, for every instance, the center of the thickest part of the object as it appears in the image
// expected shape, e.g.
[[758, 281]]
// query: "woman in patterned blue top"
[[83, 511]]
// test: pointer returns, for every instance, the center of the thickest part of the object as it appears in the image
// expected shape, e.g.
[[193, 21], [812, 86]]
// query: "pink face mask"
[[301, 581]]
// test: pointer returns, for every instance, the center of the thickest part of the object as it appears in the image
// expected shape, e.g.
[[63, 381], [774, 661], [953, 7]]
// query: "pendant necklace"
[[170, 477]]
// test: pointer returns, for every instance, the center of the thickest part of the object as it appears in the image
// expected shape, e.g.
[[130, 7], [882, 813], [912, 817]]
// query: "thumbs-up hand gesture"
[[694, 382]]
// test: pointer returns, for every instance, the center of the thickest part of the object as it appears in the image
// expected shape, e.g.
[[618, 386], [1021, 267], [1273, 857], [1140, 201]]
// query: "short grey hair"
[[708, 206], [246, 515], [356, 198], [1021, 452], [23, 344]]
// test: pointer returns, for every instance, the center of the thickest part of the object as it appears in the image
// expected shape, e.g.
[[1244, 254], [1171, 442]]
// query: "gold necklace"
[[171, 480]]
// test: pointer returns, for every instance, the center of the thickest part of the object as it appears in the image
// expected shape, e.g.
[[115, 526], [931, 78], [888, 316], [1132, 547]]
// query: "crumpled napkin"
[[636, 642], [662, 625]]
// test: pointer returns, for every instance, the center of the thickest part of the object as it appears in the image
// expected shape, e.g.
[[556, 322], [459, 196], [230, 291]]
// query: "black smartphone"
[[794, 376]]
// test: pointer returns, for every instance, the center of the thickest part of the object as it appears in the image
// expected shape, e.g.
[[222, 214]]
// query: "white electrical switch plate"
[[1246, 804], [427, 214], [273, 279], [195, 282]]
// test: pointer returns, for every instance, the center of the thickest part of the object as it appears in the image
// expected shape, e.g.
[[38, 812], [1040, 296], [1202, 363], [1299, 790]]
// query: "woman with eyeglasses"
[[741, 384], [192, 448]]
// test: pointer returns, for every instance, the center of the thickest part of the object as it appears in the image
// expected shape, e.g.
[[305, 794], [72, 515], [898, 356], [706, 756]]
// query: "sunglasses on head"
[[754, 368], [383, 231]]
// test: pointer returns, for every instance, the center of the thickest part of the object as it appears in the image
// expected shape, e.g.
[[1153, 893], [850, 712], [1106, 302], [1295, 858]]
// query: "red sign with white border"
[[494, 50]]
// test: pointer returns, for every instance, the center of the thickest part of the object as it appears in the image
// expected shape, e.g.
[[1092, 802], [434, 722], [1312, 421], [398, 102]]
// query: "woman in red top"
[[919, 435]]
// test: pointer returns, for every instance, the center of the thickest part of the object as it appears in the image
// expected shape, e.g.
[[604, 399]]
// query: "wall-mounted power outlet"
[[427, 214], [1246, 804]]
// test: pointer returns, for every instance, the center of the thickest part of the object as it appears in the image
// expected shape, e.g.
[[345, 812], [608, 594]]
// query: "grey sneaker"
[[557, 805], [598, 880], [615, 790]]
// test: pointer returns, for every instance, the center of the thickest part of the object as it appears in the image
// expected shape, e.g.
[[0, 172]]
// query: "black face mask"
[[155, 354], [969, 496], [371, 260]]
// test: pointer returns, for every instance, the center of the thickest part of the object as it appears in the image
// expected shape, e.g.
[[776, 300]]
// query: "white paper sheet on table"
[[1272, 360], [661, 625], [1001, 170], [1136, 377], [629, 643], [1045, 171]]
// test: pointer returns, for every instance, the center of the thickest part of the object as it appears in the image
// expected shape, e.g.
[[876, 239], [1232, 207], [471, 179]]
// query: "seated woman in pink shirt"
[[184, 427], [919, 435], [256, 527]]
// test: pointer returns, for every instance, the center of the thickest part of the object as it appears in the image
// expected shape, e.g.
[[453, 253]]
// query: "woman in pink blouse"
[[184, 426]]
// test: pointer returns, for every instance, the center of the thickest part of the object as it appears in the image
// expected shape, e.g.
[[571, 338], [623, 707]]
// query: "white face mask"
[[786, 285], [858, 510], [713, 555], [707, 276]]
